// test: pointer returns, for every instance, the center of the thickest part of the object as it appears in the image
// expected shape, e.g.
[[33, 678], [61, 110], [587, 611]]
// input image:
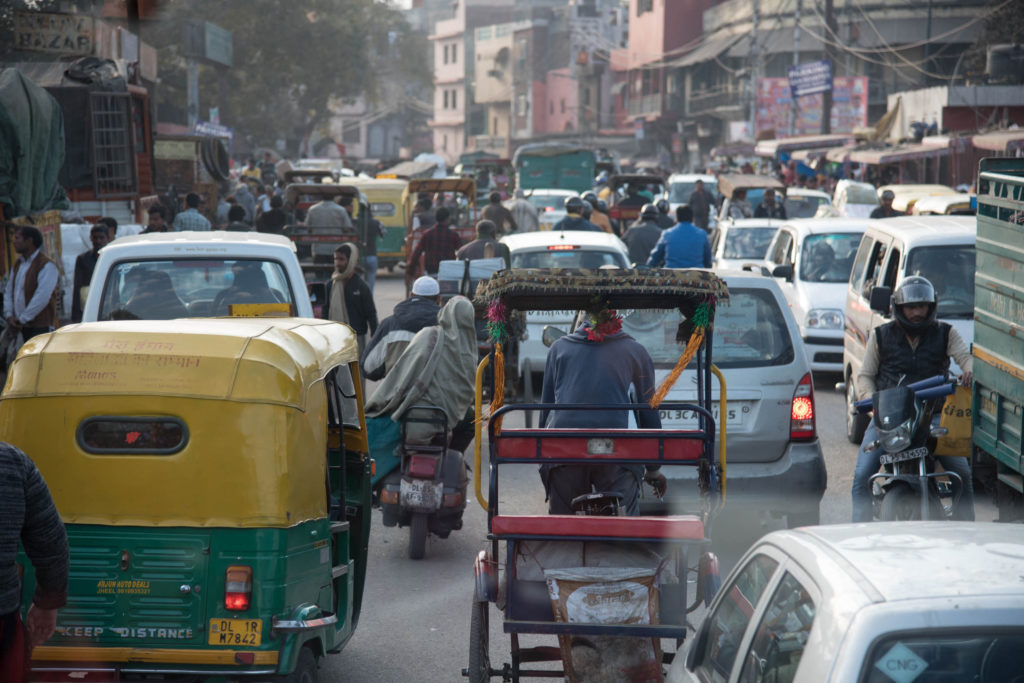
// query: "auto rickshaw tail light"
[[423, 466], [238, 588], [801, 421]]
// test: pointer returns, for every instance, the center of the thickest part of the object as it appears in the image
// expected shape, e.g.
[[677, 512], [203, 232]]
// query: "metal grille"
[[113, 147]]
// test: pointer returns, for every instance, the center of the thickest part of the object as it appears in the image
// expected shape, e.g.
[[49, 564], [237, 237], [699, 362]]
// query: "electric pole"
[[831, 35], [753, 68], [796, 62]]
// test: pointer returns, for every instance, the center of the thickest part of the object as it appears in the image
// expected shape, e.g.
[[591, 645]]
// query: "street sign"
[[65, 34], [810, 78], [219, 47], [214, 129]]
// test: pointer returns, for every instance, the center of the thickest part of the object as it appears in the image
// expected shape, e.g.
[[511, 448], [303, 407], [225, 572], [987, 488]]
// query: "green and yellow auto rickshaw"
[[213, 476], [385, 197]]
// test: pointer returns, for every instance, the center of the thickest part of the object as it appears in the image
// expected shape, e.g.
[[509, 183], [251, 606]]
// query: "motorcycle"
[[908, 487], [428, 491]]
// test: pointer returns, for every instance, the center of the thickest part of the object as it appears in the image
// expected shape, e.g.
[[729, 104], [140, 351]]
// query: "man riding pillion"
[[912, 347]]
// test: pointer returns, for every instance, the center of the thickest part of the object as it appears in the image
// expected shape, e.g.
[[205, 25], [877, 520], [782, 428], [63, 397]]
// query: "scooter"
[[428, 492], [908, 487]]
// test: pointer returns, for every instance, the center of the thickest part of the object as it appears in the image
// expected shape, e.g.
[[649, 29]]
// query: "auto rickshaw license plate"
[[247, 632], [420, 493]]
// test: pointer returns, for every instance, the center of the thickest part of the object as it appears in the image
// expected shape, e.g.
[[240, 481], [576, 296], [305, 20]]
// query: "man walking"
[[524, 213], [28, 515], [684, 246], [158, 219], [397, 330], [885, 210], [349, 299], [190, 218], [84, 266], [700, 202], [30, 299], [438, 243], [499, 215]]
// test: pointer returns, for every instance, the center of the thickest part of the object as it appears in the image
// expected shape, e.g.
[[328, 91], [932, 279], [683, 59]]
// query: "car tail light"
[[238, 588], [563, 247], [615, 213], [423, 466], [801, 416]]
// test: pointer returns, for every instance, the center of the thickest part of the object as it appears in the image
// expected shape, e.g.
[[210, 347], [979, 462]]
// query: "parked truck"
[[998, 394]]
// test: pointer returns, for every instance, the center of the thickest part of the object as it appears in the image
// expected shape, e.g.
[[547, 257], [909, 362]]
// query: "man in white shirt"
[[29, 302]]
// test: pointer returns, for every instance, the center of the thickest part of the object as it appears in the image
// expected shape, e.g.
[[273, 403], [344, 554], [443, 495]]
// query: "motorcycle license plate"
[[420, 493], [912, 454]]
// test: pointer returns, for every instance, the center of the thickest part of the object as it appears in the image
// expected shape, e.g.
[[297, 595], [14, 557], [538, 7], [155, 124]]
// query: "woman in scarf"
[[438, 368], [349, 299]]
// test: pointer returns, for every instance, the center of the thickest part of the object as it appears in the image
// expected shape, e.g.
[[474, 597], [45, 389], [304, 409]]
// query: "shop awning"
[[769, 148], [706, 51], [1000, 141], [895, 155]]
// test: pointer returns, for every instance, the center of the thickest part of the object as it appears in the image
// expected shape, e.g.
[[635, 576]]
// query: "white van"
[[940, 248], [161, 276], [811, 258]]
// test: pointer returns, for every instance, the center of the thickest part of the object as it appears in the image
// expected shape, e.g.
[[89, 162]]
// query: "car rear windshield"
[[568, 258], [192, 288], [803, 207], [750, 331], [549, 201], [828, 258], [958, 655], [748, 242], [950, 269], [861, 195]]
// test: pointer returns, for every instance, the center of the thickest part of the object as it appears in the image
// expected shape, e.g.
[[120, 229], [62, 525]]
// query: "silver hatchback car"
[[774, 458]]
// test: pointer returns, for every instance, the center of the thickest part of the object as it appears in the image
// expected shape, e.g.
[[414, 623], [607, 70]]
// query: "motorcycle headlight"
[[825, 319], [895, 440]]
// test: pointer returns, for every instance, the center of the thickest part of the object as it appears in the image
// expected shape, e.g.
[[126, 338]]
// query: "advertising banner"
[[810, 78], [775, 109]]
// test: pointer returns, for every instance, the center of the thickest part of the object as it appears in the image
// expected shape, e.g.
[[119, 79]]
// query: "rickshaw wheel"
[[479, 634], [305, 669], [418, 536]]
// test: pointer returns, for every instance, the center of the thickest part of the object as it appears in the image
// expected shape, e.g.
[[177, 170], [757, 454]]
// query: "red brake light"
[[238, 588], [423, 466], [563, 247], [801, 419], [615, 212]]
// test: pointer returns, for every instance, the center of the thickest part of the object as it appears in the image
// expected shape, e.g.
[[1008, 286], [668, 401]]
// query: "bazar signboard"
[[776, 111], [810, 78], [66, 34]]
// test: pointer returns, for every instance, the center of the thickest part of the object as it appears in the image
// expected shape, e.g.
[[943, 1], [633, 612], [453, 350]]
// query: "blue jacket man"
[[684, 246]]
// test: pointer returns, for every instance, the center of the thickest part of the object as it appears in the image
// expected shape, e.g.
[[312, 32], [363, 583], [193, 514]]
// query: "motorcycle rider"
[[664, 220], [912, 347], [643, 235], [598, 217], [397, 330], [574, 219]]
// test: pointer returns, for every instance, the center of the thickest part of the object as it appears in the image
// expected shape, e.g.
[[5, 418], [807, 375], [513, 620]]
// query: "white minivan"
[[939, 248], [812, 258]]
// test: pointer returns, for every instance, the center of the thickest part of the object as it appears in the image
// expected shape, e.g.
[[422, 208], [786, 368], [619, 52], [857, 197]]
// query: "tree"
[[291, 59]]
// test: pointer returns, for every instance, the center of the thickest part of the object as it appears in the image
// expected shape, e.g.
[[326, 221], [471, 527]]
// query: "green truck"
[[554, 165], [997, 414]]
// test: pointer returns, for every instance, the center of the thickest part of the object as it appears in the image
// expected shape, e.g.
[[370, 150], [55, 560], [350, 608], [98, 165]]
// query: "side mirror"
[[551, 334], [880, 299], [783, 271]]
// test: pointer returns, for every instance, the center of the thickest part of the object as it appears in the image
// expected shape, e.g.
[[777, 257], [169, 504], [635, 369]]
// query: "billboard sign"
[[775, 110], [810, 78], [65, 34]]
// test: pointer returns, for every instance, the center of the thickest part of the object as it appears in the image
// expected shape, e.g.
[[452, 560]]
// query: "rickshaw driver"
[[598, 360]]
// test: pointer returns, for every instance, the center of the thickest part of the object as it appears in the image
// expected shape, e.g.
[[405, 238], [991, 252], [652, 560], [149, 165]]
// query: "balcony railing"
[[645, 104], [713, 98], [489, 143]]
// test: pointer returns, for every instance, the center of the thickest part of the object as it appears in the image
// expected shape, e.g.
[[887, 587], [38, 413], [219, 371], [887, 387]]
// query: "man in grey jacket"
[[27, 513]]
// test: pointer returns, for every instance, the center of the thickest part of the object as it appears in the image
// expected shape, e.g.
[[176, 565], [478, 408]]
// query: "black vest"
[[896, 358]]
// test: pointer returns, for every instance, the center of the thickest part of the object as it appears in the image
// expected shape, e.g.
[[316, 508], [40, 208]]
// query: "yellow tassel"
[[498, 399], [688, 353]]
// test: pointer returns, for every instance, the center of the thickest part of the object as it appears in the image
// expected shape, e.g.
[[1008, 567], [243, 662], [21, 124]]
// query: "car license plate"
[[420, 493], [247, 632], [912, 454], [736, 414]]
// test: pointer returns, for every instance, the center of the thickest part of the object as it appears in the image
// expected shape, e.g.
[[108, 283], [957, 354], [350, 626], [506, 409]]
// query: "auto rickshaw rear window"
[[115, 435]]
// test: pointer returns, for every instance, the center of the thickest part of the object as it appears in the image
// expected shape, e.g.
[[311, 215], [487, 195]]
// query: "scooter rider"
[[912, 347], [664, 220]]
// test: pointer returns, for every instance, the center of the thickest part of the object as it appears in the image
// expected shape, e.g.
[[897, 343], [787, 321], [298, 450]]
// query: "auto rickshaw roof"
[[408, 169], [466, 186], [537, 289], [318, 189], [313, 173], [730, 182], [260, 360]]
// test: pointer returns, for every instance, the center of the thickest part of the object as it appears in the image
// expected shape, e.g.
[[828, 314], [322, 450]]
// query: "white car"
[[892, 602], [550, 205], [167, 275], [801, 203], [812, 259], [735, 243], [563, 249], [853, 199]]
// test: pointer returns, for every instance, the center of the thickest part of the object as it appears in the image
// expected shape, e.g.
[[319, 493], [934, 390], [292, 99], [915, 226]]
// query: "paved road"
[[415, 623]]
